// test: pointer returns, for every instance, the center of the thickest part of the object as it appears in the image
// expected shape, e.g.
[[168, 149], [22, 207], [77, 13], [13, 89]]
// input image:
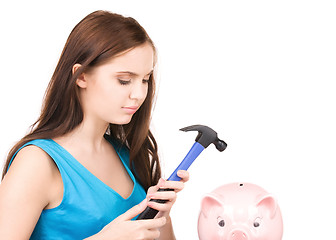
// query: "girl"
[[84, 169]]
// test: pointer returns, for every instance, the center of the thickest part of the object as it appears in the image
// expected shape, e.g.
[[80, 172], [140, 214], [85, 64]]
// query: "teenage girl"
[[90, 160]]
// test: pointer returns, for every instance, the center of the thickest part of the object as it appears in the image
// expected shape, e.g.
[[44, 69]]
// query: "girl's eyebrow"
[[133, 73]]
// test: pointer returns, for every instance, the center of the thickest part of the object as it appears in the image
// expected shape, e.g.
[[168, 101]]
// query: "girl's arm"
[[25, 191]]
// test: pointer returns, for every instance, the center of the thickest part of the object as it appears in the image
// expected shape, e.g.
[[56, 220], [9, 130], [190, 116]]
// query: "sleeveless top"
[[88, 204]]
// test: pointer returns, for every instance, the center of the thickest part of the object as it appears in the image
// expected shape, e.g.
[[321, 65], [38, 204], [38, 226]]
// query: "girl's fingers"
[[132, 212], [162, 207], [177, 186], [153, 189], [164, 195], [184, 175], [153, 223]]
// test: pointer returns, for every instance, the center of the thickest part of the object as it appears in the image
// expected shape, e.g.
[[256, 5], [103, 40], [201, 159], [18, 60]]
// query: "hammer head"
[[206, 136]]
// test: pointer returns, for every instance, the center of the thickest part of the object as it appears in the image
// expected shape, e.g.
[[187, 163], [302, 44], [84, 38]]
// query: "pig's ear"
[[209, 203], [267, 204]]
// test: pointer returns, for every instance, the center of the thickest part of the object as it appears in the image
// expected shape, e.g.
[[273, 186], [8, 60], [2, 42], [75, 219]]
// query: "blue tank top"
[[88, 204]]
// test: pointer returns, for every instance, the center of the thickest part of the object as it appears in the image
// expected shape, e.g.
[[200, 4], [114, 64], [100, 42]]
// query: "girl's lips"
[[131, 110]]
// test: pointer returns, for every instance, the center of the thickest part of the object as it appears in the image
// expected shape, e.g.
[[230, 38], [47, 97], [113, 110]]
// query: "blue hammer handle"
[[193, 153]]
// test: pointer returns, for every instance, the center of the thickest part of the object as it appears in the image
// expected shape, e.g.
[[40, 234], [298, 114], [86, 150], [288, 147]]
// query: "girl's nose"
[[139, 90]]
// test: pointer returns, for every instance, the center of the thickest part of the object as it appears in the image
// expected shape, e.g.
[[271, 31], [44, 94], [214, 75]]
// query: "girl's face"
[[114, 91]]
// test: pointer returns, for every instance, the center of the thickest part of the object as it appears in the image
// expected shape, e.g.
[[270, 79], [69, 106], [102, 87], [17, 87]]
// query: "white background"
[[260, 73]]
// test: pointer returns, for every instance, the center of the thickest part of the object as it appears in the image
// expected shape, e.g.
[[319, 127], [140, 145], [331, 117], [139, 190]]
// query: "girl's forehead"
[[139, 60]]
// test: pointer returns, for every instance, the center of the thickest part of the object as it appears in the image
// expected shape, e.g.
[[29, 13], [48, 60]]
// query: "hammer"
[[205, 137]]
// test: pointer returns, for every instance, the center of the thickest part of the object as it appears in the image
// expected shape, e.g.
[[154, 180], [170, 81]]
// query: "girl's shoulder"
[[31, 178], [30, 181], [33, 166], [32, 160]]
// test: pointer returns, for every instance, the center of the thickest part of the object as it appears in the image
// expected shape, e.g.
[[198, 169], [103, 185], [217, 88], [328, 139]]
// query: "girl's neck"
[[89, 135]]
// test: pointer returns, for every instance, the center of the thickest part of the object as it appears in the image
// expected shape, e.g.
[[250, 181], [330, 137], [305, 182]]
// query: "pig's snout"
[[238, 235]]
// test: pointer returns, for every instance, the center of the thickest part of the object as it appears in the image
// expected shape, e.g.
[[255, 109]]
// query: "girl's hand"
[[170, 196], [124, 228]]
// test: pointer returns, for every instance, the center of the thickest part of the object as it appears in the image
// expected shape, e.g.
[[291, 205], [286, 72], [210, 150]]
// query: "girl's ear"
[[80, 81]]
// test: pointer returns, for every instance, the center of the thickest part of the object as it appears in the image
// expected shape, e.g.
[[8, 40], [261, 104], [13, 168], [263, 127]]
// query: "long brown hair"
[[96, 39]]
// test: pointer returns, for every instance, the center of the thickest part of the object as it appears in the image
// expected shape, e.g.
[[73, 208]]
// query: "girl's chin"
[[122, 121]]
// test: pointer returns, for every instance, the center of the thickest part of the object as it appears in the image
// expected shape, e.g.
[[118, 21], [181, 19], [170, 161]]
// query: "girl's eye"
[[124, 82]]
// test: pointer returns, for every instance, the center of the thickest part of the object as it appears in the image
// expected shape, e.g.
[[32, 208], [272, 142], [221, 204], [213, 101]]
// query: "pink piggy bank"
[[239, 211]]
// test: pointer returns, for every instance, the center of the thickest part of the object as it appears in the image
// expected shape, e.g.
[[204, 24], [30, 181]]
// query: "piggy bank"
[[239, 211]]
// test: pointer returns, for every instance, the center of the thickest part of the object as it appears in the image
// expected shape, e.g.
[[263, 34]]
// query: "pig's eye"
[[220, 222], [257, 222]]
